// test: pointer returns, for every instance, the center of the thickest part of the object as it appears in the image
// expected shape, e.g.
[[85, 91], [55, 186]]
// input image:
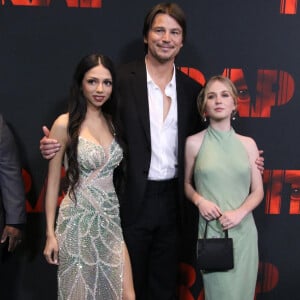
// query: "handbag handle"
[[205, 231]]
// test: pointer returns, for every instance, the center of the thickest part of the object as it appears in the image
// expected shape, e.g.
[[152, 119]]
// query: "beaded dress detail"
[[88, 230]]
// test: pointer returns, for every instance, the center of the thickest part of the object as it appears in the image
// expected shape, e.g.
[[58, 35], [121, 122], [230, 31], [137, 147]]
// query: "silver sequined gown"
[[89, 234]]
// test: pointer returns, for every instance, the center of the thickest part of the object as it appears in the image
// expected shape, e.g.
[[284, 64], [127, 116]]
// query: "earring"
[[233, 115]]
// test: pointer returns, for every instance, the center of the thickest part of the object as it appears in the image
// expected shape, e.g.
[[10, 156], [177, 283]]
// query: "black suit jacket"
[[12, 196], [133, 115]]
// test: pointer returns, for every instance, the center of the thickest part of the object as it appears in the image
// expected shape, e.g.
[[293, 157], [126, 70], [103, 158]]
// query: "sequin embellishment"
[[89, 233]]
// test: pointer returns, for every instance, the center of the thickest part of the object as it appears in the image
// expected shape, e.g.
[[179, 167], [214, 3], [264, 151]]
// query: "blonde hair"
[[202, 99]]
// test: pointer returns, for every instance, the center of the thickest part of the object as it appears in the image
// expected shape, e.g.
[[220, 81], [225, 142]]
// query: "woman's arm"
[[58, 132], [232, 218], [207, 209], [190, 156]]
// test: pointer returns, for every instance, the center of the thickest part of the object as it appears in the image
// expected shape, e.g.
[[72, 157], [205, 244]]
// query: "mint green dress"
[[222, 175]]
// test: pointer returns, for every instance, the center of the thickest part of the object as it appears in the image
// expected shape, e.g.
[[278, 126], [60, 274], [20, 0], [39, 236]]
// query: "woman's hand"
[[230, 219], [208, 209], [51, 250]]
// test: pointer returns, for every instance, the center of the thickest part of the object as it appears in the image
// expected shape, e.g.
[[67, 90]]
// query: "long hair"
[[171, 9], [77, 110]]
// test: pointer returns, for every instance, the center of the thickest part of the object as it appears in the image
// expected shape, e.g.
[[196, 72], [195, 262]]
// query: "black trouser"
[[152, 242]]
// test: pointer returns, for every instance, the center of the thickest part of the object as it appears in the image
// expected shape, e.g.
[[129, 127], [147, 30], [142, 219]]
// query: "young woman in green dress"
[[223, 181]]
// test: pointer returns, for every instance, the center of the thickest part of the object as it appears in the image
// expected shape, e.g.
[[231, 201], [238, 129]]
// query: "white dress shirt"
[[164, 133]]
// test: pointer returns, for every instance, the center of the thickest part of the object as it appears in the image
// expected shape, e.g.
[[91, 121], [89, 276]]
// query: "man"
[[157, 111], [12, 196]]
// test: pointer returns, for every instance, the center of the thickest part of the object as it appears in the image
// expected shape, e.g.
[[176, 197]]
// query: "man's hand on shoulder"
[[260, 162], [49, 147]]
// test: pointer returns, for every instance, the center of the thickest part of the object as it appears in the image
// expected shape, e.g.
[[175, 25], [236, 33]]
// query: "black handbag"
[[215, 254]]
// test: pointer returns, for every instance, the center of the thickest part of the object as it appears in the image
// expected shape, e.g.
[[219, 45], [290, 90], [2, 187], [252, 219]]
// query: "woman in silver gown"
[[87, 242]]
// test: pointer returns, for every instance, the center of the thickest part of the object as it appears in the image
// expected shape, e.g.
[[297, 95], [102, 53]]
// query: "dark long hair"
[[77, 110]]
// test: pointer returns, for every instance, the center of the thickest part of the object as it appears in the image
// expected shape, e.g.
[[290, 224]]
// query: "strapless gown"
[[89, 234]]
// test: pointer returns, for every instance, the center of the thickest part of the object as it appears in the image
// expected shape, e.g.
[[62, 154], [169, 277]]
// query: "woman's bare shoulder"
[[62, 120], [248, 143], [246, 139], [196, 138], [194, 142], [59, 127]]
